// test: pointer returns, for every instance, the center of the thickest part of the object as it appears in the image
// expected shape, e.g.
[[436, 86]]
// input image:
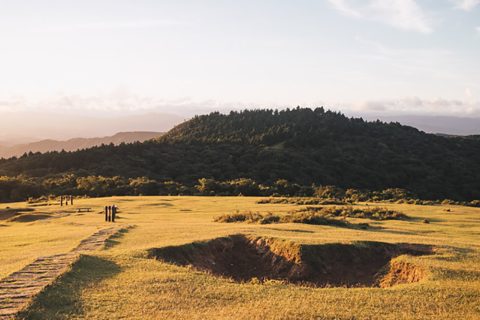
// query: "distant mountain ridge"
[[447, 125], [76, 143], [22, 128], [302, 146]]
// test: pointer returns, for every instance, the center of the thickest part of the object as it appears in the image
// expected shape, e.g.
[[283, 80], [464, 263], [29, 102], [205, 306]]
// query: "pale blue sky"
[[400, 56]]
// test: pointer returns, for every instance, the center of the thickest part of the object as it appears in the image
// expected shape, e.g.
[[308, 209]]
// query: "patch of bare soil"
[[242, 258], [401, 272]]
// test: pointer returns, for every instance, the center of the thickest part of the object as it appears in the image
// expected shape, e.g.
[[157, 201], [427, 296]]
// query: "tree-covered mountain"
[[302, 146]]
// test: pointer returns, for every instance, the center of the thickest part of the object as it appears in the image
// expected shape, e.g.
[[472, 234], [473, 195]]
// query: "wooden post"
[[114, 211], [106, 213], [109, 213], [71, 200], [61, 201]]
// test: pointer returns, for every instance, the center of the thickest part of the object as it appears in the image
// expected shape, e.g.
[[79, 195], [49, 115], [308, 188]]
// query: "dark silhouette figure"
[[106, 213], [114, 212]]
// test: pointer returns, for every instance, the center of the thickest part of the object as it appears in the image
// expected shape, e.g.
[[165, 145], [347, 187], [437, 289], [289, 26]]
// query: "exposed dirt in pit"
[[401, 272], [359, 264]]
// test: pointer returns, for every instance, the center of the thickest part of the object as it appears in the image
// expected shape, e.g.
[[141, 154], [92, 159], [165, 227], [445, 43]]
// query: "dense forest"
[[301, 147]]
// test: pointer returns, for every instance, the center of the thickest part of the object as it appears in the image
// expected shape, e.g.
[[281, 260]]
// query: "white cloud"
[[466, 5], [119, 102], [415, 105], [402, 14], [345, 8], [478, 29]]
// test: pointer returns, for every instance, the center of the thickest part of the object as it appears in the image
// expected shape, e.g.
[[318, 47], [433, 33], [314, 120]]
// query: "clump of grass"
[[373, 213], [334, 216], [313, 218], [302, 201], [249, 217], [269, 218]]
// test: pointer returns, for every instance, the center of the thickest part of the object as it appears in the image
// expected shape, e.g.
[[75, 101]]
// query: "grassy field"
[[122, 282]]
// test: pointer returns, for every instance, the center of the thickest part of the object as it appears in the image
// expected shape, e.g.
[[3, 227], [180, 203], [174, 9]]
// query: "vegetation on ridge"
[[301, 146], [335, 216]]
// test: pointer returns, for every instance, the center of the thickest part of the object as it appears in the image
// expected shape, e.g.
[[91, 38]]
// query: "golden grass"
[[121, 282]]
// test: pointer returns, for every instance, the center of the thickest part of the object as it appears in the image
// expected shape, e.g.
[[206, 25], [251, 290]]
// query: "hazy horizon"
[[38, 127]]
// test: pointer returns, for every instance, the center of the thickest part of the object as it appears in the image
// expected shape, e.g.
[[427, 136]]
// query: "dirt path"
[[18, 289]]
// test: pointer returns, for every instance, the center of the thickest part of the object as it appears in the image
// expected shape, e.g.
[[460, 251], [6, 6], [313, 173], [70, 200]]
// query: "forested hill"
[[293, 128], [303, 146]]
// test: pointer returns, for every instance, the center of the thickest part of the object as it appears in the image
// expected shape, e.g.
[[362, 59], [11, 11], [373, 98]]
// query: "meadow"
[[125, 281]]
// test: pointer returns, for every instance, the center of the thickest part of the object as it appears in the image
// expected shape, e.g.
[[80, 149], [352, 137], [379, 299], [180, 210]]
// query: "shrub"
[[474, 203], [373, 213], [295, 217], [302, 201], [250, 217], [312, 218]]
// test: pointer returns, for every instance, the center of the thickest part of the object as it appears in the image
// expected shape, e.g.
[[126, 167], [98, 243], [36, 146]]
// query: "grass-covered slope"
[[304, 146], [122, 282]]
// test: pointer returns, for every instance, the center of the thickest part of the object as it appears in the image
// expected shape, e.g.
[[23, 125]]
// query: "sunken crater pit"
[[243, 258]]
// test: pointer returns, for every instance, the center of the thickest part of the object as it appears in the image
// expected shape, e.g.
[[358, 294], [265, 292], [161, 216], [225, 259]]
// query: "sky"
[[183, 57]]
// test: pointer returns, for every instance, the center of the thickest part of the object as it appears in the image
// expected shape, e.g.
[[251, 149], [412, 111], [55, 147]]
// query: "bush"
[[313, 218], [301, 201], [296, 217], [250, 217], [474, 203], [373, 213]]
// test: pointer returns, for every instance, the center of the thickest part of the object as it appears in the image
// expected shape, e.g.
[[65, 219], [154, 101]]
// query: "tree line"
[[302, 146]]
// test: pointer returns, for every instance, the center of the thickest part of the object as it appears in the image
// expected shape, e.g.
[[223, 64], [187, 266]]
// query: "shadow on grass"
[[160, 204], [290, 230], [115, 239], [391, 231], [62, 300], [455, 254]]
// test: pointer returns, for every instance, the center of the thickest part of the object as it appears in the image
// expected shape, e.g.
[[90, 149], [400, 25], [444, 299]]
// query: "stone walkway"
[[18, 289]]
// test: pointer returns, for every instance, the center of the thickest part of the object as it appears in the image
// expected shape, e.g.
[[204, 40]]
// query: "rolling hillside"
[[303, 146], [76, 143]]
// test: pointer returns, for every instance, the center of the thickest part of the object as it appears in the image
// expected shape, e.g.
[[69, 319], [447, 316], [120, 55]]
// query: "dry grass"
[[249, 217], [373, 213], [269, 218], [301, 201], [122, 282], [328, 216]]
